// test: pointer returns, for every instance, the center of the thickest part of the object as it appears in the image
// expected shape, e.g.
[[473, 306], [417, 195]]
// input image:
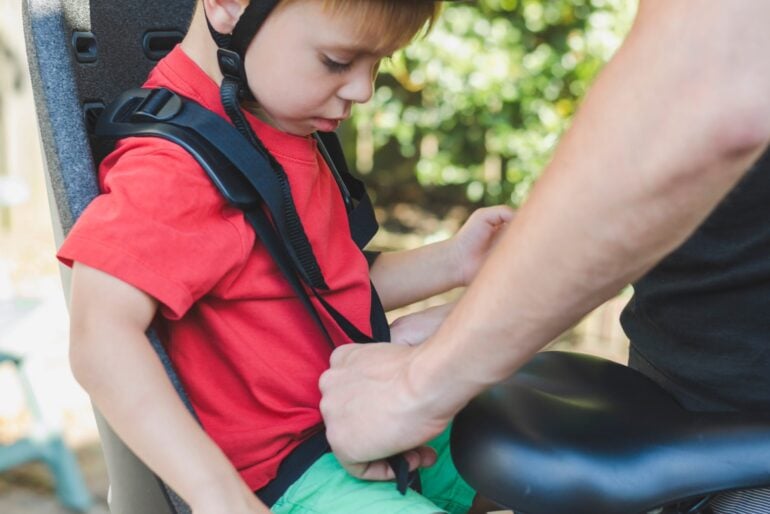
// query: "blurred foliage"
[[471, 113]]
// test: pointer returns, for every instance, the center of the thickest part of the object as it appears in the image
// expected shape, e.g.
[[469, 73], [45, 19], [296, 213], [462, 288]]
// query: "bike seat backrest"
[[81, 55], [574, 433]]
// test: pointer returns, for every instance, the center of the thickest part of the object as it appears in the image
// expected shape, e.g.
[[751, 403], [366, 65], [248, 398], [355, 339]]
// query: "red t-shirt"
[[248, 353]]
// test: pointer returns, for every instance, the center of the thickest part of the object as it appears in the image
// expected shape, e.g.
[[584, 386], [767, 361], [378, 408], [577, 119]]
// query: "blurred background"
[[466, 117]]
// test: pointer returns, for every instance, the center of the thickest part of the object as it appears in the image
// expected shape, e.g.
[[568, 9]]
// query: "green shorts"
[[326, 488]]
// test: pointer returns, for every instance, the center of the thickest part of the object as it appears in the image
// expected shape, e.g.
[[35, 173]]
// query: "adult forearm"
[[668, 128]]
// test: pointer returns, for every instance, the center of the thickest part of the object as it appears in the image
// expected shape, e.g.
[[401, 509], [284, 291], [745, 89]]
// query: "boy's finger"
[[380, 470], [504, 213], [498, 214], [421, 457]]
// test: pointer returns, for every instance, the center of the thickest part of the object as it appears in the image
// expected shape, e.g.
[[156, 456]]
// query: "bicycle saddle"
[[576, 434]]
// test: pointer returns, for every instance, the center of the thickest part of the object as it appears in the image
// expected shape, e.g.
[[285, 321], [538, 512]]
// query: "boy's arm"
[[408, 276], [115, 364]]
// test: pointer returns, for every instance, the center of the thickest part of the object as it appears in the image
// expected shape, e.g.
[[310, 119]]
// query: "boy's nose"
[[359, 88]]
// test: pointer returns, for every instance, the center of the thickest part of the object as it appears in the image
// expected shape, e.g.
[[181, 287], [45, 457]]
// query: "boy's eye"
[[336, 66]]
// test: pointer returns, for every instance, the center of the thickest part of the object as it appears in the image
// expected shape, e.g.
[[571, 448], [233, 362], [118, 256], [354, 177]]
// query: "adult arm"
[[669, 127], [115, 364]]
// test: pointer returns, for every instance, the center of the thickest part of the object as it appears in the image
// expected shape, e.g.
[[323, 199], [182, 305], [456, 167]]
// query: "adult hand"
[[415, 328], [373, 407]]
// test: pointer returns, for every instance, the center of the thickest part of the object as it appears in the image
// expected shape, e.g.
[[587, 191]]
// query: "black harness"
[[250, 179]]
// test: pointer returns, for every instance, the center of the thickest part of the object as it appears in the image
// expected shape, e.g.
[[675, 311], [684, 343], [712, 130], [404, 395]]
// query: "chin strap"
[[232, 47], [235, 88]]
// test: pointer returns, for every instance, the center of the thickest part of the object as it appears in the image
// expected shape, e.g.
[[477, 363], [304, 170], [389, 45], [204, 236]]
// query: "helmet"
[[232, 48]]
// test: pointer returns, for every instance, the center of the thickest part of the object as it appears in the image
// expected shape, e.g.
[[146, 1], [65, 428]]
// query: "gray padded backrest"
[[63, 85], [70, 71]]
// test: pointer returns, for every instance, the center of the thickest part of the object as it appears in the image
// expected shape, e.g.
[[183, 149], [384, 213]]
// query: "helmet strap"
[[232, 47], [234, 88]]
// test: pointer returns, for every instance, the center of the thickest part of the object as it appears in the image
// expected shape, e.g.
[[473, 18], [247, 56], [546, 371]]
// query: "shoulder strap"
[[238, 171], [229, 160], [363, 224]]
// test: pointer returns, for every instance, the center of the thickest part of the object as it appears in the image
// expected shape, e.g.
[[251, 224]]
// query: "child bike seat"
[[578, 434]]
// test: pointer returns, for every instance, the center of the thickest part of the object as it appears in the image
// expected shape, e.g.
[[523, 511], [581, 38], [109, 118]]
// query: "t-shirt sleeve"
[[160, 225]]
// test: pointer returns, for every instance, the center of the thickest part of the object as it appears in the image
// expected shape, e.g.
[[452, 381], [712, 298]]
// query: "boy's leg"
[[326, 488], [442, 484]]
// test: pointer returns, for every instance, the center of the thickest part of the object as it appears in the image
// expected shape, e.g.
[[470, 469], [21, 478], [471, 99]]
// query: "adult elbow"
[[742, 130], [738, 109]]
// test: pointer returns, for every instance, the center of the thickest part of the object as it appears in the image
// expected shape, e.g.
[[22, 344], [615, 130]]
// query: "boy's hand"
[[415, 328], [241, 501], [472, 243]]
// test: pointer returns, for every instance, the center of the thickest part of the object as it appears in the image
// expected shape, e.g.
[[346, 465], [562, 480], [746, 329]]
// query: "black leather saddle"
[[571, 433]]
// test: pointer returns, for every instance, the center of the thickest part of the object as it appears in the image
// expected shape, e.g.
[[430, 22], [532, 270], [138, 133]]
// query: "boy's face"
[[307, 66]]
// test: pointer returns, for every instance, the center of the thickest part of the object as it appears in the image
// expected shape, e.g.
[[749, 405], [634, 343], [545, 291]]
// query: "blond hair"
[[393, 23]]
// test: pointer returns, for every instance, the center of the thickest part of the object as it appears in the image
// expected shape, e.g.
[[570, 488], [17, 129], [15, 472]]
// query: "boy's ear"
[[224, 14]]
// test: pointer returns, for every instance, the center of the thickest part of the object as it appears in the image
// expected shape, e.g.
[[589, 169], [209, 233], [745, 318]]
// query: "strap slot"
[[158, 43], [84, 46]]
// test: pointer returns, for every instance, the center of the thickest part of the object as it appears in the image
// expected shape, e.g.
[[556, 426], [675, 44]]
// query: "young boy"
[[161, 246]]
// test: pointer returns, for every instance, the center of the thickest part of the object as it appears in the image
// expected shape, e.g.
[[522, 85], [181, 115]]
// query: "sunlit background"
[[466, 117]]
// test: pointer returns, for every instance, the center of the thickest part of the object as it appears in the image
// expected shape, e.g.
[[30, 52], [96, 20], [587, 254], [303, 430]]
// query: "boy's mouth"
[[327, 124]]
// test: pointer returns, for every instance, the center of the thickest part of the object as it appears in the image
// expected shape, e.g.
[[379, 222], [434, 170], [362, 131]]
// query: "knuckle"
[[340, 354], [323, 383], [332, 436]]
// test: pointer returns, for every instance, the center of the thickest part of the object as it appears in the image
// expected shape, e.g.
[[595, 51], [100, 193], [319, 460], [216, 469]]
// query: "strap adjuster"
[[231, 65], [160, 105]]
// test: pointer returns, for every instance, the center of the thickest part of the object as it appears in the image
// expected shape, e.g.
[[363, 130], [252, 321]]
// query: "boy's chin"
[[296, 129], [300, 133]]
